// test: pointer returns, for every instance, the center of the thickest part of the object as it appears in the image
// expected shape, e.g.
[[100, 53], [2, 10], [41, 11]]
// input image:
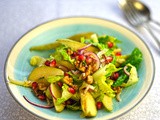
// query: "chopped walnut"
[[68, 80], [117, 89], [89, 79], [70, 52], [88, 70]]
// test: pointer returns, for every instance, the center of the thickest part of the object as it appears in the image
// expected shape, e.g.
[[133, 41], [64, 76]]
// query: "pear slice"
[[44, 72], [56, 93], [88, 104], [107, 102], [77, 37]]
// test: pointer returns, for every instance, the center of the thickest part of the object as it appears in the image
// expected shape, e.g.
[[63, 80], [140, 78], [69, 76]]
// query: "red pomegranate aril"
[[115, 76], [88, 60], [74, 54], [47, 63], [110, 44], [53, 63], [42, 97], [60, 84], [99, 105], [81, 57], [66, 74], [34, 85], [109, 59], [71, 90], [118, 54]]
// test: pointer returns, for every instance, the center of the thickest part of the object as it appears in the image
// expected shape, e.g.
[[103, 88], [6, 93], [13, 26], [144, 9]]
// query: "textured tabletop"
[[19, 16]]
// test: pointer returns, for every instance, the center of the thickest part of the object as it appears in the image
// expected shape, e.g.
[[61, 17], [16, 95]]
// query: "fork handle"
[[147, 27], [155, 22]]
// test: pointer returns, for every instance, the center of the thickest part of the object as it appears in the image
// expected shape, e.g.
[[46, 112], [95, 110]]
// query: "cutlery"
[[136, 19]]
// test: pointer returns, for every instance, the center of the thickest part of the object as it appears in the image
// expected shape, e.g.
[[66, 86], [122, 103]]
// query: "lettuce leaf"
[[107, 71], [53, 79], [74, 107], [61, 54], [104, 87], [65, 95], [135, 58], [133, 78]]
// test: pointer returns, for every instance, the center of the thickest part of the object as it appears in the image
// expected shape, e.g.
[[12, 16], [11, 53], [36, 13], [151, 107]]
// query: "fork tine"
[[130, 13]]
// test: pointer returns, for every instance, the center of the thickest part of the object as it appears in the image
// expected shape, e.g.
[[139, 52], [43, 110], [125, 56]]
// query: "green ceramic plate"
[[18, 67]]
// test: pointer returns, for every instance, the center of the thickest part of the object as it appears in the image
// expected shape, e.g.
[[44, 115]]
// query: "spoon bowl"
[[144, 11], [142, 8], [134, 13]]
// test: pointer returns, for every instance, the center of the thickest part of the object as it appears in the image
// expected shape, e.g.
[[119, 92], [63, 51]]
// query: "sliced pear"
[[43, 72], [48, 93], [107, 102], [74, 45], [88, 104], [66, 64], [77, 37], [48, 46], [56, 93]]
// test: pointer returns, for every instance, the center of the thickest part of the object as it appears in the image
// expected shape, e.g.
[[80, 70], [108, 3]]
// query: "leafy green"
[[65, 95], [101, 78], [107, 71], [53, 79], [61, 54], [76, 96], [126, 80], [134, 59], [133, 78], [74, 107], [121, 79], [106, 38], [75, 77], [104, 87]]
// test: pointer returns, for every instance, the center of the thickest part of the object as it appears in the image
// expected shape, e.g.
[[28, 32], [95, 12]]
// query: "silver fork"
[[135, 19]]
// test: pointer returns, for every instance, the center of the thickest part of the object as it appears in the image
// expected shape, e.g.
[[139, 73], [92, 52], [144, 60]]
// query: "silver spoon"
[[136, 19], [142, 9]]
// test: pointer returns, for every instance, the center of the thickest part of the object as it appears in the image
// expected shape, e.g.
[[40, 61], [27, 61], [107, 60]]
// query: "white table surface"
[[19, 16]]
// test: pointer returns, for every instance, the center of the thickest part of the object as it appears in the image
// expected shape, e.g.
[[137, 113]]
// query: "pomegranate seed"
[[71, 90], [109, 59], [34, 85], [88, 60], [74, 54], [47, 63], [66, 74], [115, 76], [118, 54], [81, 57], [60, 84], [110, 44], [53, 63], [42, 97], [99, 105]]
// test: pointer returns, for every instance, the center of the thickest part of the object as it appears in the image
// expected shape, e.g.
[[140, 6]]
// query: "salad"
[[85, 72]]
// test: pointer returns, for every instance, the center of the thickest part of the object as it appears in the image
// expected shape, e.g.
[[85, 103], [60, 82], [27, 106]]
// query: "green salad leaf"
[[53, 79], [65, 95], [135, 58], [61, 54]]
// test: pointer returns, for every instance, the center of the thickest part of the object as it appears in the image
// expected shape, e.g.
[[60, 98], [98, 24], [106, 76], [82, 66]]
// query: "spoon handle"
[[147, 27]]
